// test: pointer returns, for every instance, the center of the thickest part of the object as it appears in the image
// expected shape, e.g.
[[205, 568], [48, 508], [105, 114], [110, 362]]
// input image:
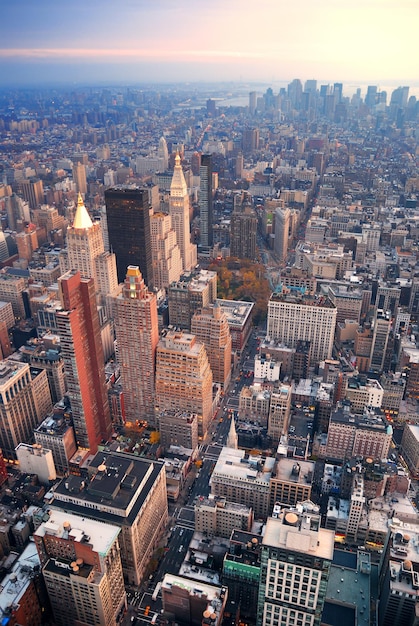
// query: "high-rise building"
[[86, 253], [279, 412], [243, 232], [81, 566], [295, 564], [163, 154], [24, 401], [292, 316], [184, 377], [282, 232], [79, 177], [126, 491], [195, 290], [128, 216], [81, 346], [166, 255], [33, 192], [381, 333], [210, 326], [137, 335], [252, 102], [205, 201], [179, 212]]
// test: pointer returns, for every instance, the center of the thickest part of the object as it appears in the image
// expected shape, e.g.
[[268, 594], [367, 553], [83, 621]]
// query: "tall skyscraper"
[[81, 346], [86, 253], [210, 326], [137, 334], [167, 259], [184, 377], [244, 224], [179, 212], [282, 232], [163, 154], [205, 201], [79, 177], [128, 215], [295, 565]]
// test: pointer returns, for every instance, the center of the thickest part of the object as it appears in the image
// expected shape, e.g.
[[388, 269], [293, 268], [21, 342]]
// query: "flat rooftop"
[[64, 525]]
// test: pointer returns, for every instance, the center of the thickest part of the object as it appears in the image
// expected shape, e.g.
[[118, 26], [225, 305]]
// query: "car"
[[180, 548]]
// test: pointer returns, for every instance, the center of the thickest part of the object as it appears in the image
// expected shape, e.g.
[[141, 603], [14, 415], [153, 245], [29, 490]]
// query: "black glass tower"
[[205, 200], [128, 218]]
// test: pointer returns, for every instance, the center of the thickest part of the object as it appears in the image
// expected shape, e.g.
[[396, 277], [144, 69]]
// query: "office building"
[[11, 290], [205, 201], [86, 252], [350, 434], [295, 563], [243, 479], [193, 602], [293, 316], [178, 428], [24, 401], [241, 572], [33, 192], [195, 290], [137, 335], [216, 516], [179, 212], [165, 252], [291, 482], [184, 377], [126, 491], [279, 412], [409, 448], [34, 459], [243, 231], [381, 333], [81, 348], [56, 433], [128, 211], [254, 403], [81, 565], [399, 579], [210, 326], [362, 392], [282, 232], [239, 318], [79, 177]]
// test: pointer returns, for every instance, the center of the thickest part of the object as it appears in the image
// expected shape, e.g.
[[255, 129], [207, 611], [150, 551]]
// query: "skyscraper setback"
[[137, 334], [128, 215], [81, 347]]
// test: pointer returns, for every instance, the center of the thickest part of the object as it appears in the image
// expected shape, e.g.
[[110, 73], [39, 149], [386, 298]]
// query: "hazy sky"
[[187, 40]]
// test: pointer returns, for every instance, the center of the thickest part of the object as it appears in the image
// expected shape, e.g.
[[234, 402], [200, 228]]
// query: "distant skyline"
[[130, 41]]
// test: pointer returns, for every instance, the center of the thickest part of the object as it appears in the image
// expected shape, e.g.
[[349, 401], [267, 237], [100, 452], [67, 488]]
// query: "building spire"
[[232, 439], [82, 218], [178, 187]]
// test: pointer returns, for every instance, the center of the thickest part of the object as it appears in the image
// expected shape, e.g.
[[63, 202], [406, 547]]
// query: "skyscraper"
[[81, 347], [167, 259], [79, 177], [86, 252], [282, 232], [137, 334], [205, 201], [179, 212], [184, 377], [128, 215], [244, 224], [210, 325]]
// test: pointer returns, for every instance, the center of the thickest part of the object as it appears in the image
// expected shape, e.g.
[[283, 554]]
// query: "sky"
[[132, 41]]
